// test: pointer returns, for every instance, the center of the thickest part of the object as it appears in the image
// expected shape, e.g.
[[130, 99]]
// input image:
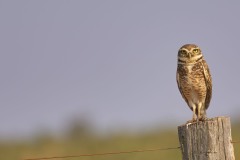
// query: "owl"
[[194, 80]]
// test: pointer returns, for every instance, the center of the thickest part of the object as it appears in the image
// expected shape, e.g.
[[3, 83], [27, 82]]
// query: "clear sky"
[[112, 62]]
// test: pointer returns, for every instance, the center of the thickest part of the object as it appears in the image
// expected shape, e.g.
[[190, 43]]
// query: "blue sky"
[[111, 62]]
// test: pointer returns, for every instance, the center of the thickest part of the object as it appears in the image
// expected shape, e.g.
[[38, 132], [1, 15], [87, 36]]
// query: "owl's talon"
[[191, 121], [203, 119]]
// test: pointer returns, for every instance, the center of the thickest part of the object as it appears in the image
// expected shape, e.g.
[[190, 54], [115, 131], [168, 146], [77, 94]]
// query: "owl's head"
[[189, 54]]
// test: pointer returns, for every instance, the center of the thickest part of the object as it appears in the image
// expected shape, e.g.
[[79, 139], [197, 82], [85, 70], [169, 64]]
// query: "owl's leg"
[[193, 108], [194, 118], [201, 112], [199, 108]]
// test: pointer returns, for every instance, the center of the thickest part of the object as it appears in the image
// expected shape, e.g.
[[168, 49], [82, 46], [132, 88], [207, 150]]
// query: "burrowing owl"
[[194, 80]]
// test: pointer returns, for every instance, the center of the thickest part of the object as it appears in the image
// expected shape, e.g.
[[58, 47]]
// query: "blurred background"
[[97, 76]]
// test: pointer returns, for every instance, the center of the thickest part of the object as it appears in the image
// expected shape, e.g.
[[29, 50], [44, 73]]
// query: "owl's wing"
[[179, 84], [208, 81]]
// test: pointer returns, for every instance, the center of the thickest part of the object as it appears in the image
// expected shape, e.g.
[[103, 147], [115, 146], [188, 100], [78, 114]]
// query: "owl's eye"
[[196, 51], [183, 53]]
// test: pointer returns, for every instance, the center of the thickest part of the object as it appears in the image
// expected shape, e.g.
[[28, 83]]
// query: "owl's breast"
[[193, 83]]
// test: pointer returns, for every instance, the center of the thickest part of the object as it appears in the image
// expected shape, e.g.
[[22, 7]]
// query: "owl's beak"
[[189, 55]]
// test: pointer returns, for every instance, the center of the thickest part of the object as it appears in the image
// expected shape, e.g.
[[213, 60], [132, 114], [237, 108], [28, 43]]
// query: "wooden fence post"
[[208, 140]]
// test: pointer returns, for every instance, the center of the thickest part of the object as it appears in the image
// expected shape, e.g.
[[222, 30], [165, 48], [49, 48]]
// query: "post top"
[[208, 120]]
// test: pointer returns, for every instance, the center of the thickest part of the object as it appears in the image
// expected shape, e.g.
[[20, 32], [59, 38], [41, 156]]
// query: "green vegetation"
[[79, 142]]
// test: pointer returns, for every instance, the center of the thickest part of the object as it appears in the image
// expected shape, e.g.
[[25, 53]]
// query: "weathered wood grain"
[[208, 140]]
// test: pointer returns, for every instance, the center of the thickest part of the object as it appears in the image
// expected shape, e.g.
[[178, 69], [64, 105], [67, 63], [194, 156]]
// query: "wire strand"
[[235, 141], [106, 153], [110, 153]]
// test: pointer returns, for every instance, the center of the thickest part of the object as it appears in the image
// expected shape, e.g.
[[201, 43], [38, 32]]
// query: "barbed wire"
[[106, 153], [235, 141], [110, 153]]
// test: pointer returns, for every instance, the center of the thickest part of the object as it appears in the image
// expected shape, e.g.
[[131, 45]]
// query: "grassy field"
[[78, 142]]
